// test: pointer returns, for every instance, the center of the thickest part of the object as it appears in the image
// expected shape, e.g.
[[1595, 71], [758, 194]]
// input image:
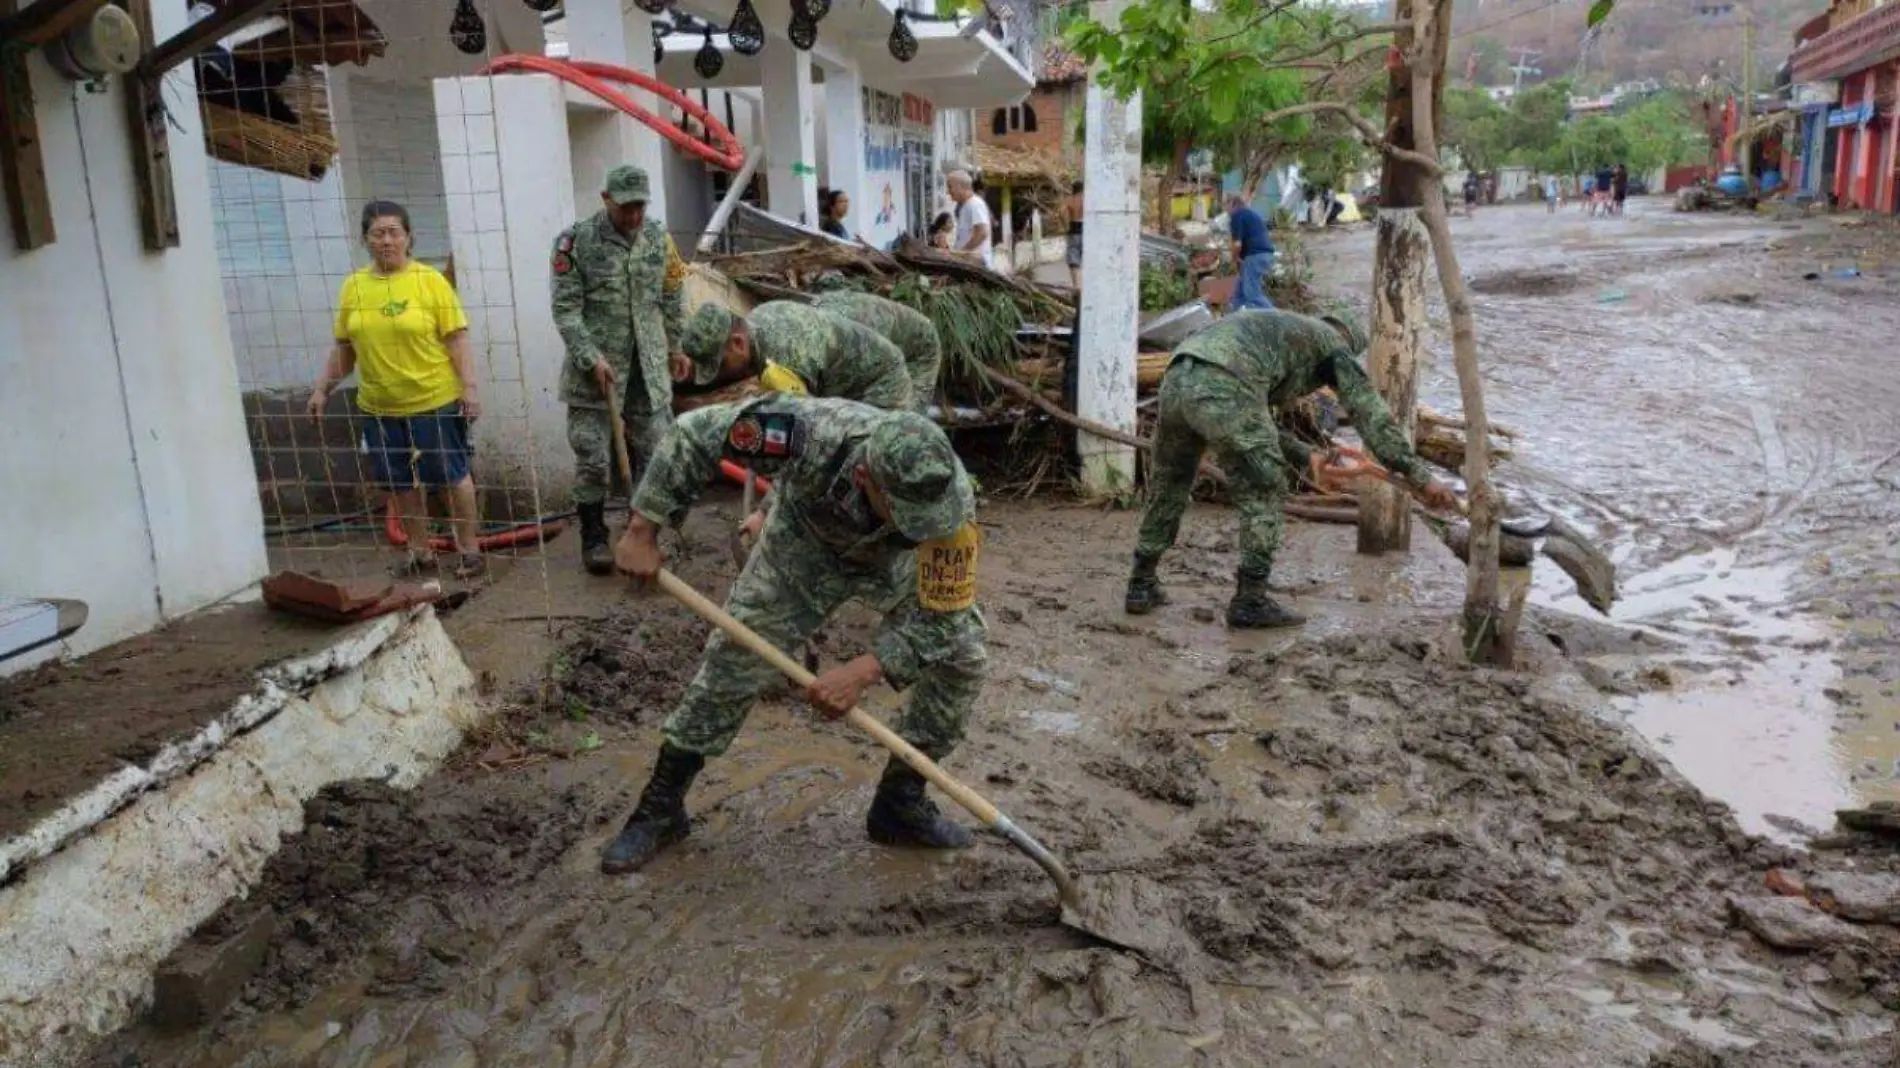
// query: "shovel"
[[1123, 909]]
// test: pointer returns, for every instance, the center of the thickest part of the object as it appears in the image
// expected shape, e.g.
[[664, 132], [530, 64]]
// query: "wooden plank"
[[22, 169], [43, 21], [151, 146], [193, 39]]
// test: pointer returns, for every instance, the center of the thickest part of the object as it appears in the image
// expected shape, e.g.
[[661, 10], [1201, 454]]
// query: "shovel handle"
[[620, 439], [857, 717]]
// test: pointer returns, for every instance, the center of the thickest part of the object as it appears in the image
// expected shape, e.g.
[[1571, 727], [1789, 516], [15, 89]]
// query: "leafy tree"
[[1476, 128]]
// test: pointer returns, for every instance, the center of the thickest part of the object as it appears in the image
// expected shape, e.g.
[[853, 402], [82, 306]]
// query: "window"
[[1005, 121]]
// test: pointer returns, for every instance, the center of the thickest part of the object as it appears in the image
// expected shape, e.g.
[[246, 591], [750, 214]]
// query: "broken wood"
[[151, 147], [43, 21], [1513, 551], [1593, 571], [192, 40], [22, 167]]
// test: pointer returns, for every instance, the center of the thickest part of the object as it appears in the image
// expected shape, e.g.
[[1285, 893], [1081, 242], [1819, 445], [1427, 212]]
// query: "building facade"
[[1853, 57]]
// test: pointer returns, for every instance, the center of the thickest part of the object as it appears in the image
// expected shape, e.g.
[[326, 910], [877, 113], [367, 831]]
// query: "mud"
[[64, 727], [1357, 850]]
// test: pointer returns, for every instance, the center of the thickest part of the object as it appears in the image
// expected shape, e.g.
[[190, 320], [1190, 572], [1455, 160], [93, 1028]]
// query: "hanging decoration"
[[653, 7], [745, 30], [543, 6], [818, 9], [708, 62], [803, 32], [903, 43], [467, 29]]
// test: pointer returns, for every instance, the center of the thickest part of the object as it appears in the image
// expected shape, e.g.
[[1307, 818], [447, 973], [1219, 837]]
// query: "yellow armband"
[[777, 379], [946, 570]]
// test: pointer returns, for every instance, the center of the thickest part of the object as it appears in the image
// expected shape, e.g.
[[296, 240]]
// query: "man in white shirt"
[[973, 218]]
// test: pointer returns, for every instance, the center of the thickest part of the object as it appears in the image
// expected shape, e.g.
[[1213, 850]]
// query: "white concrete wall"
[[284, 247], [128, 479]]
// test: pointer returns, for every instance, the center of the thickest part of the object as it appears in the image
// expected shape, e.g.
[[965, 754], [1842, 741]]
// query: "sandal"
[[470, 566], [413, 566]]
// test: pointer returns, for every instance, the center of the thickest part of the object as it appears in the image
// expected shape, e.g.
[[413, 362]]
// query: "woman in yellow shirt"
[[401, 328]]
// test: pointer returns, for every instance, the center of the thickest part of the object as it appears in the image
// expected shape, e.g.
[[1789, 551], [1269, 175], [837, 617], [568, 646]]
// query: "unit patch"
[[946, 570]]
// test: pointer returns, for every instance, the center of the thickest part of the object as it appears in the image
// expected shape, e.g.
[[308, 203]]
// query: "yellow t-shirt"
[[396, 326]]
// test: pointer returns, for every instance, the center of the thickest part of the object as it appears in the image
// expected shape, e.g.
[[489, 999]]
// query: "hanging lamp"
[[903, 43], [708, 62], [745, 31], [467, 30]]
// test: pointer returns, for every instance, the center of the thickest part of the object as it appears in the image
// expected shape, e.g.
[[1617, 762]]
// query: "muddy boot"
[[660, 820], [1144, 588], [596, 555], [902, 816], [1252, 608]]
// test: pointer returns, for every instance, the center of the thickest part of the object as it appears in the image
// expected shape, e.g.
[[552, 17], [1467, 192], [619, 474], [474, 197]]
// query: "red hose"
[[737, 474], [525, 534], [725, 152]]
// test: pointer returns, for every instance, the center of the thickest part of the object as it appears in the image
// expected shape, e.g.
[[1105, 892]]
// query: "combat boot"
[[1252, 608], [660, 819], [596, 555], [902, 816], [1144, 588]]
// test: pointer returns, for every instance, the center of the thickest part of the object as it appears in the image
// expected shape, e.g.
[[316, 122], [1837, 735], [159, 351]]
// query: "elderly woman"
[[401, 328]]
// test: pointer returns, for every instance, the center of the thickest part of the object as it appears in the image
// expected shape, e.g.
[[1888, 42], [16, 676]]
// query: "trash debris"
[[1791, 923]]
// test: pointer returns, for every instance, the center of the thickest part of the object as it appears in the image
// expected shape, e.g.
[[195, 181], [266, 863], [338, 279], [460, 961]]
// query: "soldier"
[[871, 505], [910, 330], [617, 283], [794, 348], [1217, 392]]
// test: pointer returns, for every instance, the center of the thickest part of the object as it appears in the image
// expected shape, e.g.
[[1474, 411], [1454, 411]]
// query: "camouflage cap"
[[832, 282], [1348, 328], [910, 459], [703, 338], [627, 184]]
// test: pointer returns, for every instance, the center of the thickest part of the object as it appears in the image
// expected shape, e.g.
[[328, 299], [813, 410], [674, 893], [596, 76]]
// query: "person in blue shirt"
[[1253, 254]]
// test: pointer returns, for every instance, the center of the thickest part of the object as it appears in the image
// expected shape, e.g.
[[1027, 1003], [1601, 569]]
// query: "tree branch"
[[1367, 132]]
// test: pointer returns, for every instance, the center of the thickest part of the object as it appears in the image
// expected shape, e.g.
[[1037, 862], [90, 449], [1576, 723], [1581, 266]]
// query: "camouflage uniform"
[[823, 545], [1217, 394], [616, 299], [800, 349], [907, 328]]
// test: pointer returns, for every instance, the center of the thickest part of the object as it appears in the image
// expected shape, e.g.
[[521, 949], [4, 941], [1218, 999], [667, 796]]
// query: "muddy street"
[[1369, 854], [1723, 424]]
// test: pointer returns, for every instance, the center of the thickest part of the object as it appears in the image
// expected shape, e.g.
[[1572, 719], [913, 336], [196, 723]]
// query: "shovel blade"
[[1127, 910]]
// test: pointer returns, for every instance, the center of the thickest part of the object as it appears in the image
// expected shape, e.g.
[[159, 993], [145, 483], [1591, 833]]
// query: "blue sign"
[[1859, 115]]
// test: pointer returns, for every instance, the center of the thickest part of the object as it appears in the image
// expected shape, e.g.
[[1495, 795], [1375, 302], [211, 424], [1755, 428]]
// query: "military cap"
[[910, 459], [1349, 328], [703, 338], [627, 184]]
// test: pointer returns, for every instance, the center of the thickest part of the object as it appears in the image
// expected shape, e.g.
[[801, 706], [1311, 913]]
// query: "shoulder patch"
[[766, 436], [563, 263], [946, 570], [564, 243]]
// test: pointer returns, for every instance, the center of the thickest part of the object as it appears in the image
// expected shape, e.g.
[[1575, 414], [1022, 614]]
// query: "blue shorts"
[[430, 449]]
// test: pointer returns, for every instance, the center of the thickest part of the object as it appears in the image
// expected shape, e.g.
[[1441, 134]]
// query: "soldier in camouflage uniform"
[[795, 348], [871, 505], [907, 328], [1218, 393], [617, 281]]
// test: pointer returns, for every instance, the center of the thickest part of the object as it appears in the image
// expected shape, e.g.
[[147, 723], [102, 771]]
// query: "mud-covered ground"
[[1367, 852]]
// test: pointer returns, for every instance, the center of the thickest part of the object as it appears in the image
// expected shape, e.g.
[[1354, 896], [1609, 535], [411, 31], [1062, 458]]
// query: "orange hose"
[[737, 474], [526, 533], [725, 152]]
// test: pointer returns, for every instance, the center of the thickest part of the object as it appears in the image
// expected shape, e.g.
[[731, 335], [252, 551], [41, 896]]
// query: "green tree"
[[1662, 132], [1476, 128]]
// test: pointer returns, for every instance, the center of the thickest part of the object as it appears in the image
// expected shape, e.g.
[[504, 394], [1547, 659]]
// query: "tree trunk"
[[1164, 196], [1398, 295], [1488, 639], [1398, 349]]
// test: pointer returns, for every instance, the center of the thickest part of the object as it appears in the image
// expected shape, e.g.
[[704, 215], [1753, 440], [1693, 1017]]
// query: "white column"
[[608, 32], [791, 151], [1111, 270], [844, 145]]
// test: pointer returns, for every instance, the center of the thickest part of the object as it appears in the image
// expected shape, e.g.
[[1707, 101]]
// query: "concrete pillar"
[[791, 152], [844, 145], [608, 32], [1111, 276]]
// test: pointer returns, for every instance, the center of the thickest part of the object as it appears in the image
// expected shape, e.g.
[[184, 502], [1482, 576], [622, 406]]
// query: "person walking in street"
[[1553, 195], [1219, 392], [907, 328], [1619, 188], [1471, 192], [1601, 202], [617, 282], [869, 505], [974, 227], [1072, 248], [401, 328], [799, 348], [1253, 254]]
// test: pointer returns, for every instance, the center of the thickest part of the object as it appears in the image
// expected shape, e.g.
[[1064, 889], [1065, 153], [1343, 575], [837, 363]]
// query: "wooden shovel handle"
[[620, 438], [857, 717]]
